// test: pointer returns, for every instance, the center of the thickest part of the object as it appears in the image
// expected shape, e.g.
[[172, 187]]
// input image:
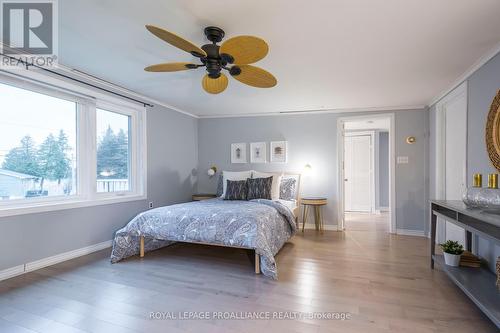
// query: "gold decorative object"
[[478, 180], [493, 181], [411, 140], [493, 132]]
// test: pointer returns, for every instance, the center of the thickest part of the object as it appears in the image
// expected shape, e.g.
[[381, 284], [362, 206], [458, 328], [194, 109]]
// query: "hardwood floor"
[[382, 280]]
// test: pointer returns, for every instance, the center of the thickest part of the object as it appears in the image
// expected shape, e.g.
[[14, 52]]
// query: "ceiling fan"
[[234, 55]]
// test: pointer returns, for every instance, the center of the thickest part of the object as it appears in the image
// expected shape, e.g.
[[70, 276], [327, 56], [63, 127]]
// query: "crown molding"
[[318, 111], [465, 76]]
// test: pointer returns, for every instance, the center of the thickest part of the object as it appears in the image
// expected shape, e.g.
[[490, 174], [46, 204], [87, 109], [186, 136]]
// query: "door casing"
[[392, 167], [440, 185]]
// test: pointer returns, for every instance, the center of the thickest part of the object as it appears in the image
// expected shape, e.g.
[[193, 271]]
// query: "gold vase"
[[493, 181], [477, 180]]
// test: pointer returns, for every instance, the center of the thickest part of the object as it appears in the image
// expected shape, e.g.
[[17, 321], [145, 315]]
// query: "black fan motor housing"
[[214, 34], [214, 61]]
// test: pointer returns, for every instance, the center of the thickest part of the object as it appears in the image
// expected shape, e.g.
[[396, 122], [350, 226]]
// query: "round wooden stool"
[[316, 203], [201, 196]]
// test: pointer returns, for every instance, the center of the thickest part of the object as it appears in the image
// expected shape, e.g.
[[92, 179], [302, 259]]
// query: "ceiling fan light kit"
[[234, 55]]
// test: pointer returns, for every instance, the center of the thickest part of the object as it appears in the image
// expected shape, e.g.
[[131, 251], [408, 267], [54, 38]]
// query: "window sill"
[[40, 207]]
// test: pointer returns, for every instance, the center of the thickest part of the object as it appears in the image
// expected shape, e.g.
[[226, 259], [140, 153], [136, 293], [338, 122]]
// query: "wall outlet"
[[150, 204]]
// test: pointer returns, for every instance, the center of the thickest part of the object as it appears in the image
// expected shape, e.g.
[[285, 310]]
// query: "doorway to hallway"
[[366, 189]]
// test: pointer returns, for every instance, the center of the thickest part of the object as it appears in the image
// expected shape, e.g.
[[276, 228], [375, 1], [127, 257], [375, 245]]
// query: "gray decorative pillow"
[[220, 185], [259, 188], [288, 188], [236, 190]]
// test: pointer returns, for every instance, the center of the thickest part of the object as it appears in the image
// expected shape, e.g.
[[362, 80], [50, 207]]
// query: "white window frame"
[[88, 101], [134, 182]]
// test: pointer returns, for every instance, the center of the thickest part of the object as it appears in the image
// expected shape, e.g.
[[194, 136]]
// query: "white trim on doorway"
[[392, 166], [440, 183]]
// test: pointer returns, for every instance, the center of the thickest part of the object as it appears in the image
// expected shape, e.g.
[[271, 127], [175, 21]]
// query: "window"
[[113, 151], [62, 148], [37, 145]]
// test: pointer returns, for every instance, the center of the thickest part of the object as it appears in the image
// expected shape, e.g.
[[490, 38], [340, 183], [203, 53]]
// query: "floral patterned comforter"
[[263, 225]]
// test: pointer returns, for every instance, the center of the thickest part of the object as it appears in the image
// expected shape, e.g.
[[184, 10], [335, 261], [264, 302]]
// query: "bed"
[[260, 225]]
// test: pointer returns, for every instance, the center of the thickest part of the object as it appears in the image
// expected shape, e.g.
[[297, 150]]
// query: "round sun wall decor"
[[493, 132]]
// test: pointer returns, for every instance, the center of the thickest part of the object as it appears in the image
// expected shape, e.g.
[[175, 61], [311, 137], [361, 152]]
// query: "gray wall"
[[482, 88], [172, 157], [313, 139], [383, 169], [412, 179]]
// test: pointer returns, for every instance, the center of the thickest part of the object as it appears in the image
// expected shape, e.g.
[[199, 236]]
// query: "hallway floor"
[[367, 222]]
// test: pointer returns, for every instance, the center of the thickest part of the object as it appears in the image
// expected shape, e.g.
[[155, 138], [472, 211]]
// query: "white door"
[[357, 171], [454, 114]]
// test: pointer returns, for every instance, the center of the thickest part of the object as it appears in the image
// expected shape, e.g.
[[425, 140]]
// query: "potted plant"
[[452, 251]]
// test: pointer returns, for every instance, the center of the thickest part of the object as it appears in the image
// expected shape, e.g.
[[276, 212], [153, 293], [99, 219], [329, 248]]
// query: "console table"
[[477, 283]]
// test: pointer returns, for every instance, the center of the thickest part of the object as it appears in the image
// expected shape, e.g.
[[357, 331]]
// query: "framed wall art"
[[238, 153], [258, 152], [279, 151]]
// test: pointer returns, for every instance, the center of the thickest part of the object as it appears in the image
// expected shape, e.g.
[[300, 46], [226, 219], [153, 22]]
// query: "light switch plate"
[[402, 160]]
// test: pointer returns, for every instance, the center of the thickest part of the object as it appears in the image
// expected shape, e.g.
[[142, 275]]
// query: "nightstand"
[[316, 203], [202, 196]]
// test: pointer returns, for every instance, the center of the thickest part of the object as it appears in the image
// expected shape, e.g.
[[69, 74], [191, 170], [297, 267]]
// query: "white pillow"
[[233, 175], [275, 187]]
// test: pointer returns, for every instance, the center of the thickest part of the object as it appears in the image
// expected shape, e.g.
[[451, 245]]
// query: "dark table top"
[[479, 214]]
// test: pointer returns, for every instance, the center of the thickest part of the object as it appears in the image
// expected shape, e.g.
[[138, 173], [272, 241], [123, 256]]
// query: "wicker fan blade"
[[175, 40], [255, 77], [169, 67], [214, 86], [245, 49]]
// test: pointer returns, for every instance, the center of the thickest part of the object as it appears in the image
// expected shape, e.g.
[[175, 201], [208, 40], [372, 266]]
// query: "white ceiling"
[[326, 54]]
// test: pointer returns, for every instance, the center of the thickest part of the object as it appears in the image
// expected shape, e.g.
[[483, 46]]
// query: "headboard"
[[294, 175]]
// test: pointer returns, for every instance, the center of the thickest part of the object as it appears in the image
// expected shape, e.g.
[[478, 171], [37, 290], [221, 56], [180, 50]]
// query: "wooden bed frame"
[[296, 211]]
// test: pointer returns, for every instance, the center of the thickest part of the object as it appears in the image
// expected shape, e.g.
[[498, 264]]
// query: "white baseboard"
[[11, 272], [49, 261], [329, 227], [409, 232], [381, 210]]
